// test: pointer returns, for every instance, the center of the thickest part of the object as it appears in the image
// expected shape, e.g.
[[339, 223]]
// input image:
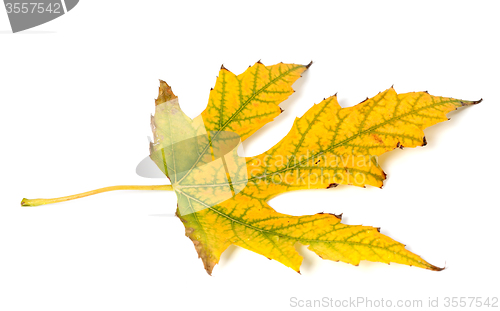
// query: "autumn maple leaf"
[[223, 198]]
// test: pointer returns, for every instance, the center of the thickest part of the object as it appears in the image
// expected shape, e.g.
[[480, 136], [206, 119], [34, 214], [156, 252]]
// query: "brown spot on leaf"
[[377, 138]]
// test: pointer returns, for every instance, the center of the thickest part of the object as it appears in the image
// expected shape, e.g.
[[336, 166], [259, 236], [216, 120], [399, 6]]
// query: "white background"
[[76, 95]]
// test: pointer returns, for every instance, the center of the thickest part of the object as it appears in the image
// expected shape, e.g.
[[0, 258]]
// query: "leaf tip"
[[424, 141], [209, 272], [332, 185], [165, 93], [223, 68], [365, 100], [435, 268], [339, 217], [469, 103], [309, 65]]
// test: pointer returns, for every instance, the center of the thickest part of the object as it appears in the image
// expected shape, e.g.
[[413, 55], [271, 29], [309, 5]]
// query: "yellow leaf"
[[249, 222], [331, 145], [242, 104], [222, 198]]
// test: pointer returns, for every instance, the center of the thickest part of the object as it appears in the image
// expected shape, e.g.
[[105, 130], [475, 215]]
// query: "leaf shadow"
[[229, 253], [162, 215], [310, 259], [434, 134]]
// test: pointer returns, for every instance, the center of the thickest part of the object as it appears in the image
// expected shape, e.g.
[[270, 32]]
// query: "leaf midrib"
[[263, 231], [281, 75], [340, 144]]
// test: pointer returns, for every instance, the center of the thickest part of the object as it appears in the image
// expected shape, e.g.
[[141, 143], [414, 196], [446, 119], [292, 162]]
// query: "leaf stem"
[[37, 202]]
